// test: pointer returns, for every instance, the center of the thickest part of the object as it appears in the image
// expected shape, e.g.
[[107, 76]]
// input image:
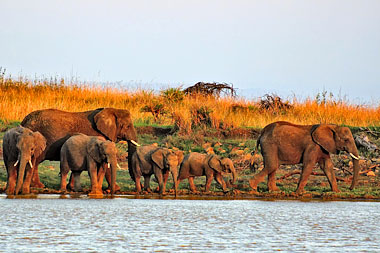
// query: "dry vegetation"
[[173, 107]]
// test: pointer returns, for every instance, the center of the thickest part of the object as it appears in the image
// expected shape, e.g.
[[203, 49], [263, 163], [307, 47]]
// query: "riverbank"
[[237, 145]]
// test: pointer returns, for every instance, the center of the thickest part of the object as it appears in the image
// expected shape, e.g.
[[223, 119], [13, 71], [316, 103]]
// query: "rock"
[[210, 150], [206, 145], [371, 174], [218, 144]]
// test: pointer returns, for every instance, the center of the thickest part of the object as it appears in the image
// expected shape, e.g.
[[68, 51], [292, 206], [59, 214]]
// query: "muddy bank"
[[186, 195]]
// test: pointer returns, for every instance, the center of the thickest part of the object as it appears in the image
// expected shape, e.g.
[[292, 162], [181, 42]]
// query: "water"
[[122, 224]]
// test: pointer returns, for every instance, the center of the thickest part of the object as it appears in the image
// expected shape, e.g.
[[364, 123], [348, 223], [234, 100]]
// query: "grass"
[[20, 97], [197, 121]]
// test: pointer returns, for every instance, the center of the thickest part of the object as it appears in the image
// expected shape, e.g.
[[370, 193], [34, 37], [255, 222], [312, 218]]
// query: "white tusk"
[[30, 163], [352, 155], [108, 165], [135, 143], [15, 163], [118, 166]]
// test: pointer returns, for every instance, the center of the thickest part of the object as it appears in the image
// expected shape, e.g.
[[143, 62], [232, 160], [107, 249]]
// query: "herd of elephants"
[[86, 141]]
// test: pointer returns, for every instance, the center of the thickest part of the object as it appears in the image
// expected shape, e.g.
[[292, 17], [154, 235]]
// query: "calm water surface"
[[122, 224]]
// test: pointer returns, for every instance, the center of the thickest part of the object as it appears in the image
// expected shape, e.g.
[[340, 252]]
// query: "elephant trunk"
[[113, 176], [234, 175], [355, 162], [131, 150], [175, 176], [23, 160]]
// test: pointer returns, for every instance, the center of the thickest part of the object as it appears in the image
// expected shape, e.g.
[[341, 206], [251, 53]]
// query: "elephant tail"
[[256, 150]]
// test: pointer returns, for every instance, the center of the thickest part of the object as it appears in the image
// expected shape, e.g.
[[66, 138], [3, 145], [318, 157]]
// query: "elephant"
[[92, 153], [21, 147], [197, 164], [151, 159], [57, 126], [284, 143]]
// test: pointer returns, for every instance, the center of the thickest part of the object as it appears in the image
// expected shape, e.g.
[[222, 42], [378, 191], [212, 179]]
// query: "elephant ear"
[[93, 150], [215, 163], [179, 155], [39, 143], [158, 157], [105, 122], [324, 136]]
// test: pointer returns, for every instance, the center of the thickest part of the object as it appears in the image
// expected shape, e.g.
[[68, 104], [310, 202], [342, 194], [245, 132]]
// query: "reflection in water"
[[123, 224]]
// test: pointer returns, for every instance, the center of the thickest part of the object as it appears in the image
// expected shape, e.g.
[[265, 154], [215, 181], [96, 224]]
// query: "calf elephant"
[[286, 143], [57, 126], [21, 147], [92, 153], [150, 160], [211, 166]]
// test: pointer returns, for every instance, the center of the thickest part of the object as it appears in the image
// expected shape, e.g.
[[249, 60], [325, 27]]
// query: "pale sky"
[[288, 47]]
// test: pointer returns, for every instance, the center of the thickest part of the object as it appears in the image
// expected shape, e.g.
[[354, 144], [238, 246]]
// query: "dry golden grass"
[[20, 97]]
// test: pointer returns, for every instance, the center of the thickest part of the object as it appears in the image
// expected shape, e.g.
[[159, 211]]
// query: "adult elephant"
[[286, 143], [57, 126]]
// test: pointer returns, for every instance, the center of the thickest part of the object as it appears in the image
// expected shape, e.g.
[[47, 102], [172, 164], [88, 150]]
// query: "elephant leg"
[[147, 183], [166, 177], [160, 179], [270, 167], [219, 179], [192, 185], [11, 184], [306, 172], [328, 168], [27, 181], [64, 170], [36, 178], [70, 186], [138, 184], [76, 178], [63, 181], [108, 179], [93, 172], [209, 179], [101, 172], [272, 182]]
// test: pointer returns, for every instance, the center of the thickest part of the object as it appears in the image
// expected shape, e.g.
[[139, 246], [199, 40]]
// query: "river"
[[49, 223]]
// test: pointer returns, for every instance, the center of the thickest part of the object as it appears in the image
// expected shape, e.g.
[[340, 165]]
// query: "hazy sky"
[[301, 47]]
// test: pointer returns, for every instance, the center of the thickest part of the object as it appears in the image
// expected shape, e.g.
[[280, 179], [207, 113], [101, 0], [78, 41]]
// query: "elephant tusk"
[[353, 156], [15, 163], [135, 143], [108, 165], [30, 163], [118, 166]]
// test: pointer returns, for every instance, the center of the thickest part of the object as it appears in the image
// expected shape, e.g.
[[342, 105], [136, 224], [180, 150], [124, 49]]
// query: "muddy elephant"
[[211, 166], [286, 143], [150, 160], [92, 153], [21, 147], [57, 126]]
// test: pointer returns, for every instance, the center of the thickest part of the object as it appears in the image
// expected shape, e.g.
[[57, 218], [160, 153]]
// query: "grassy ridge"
[[194, 118], [172, 107]]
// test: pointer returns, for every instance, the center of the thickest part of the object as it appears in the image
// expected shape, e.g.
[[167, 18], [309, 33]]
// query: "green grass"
[[199, 140]]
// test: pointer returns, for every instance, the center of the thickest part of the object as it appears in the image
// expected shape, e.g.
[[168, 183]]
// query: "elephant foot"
[[117, 188], [25, 190], [37, 185], [10, 192], [95, 193], [253, 185]]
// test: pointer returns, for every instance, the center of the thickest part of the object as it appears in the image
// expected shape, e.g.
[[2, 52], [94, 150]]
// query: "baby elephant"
[[21, 148], [92, 153], [196, 165], [148, 160]]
